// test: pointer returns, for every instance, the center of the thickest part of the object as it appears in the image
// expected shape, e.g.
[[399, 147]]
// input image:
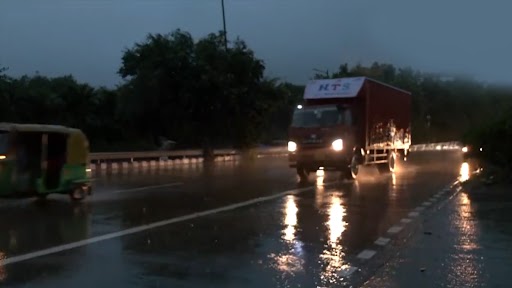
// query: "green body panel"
[[71, 175], [6, 170]]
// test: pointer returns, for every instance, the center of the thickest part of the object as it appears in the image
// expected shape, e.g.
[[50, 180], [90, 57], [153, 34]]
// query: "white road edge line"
[[147, 187], [366, 254], [85, 242]]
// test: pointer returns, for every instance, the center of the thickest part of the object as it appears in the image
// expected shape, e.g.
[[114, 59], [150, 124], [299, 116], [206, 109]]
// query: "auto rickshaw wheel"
[[78, 194]]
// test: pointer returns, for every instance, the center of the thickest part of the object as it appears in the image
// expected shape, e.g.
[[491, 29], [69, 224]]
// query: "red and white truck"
[[347, 122]]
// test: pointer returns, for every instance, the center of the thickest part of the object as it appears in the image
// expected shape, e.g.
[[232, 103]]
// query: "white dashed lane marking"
[[395, 229], [346, 271], [366, 254], [382, 241], [405, 220]]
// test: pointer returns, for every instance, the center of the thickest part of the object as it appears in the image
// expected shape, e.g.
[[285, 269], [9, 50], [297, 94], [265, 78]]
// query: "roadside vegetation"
[[197, 93], [494, 136]]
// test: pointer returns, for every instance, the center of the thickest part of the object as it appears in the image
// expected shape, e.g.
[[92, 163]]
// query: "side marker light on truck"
[[337, 145], [292, 146]]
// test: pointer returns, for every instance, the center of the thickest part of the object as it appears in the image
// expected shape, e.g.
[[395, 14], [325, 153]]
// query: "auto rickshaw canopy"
[[77, 144]]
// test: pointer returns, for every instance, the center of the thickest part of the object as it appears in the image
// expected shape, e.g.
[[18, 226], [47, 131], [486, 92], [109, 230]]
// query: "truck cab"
[[323, 137]]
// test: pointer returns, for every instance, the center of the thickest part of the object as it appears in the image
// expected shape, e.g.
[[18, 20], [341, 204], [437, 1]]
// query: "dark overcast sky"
[[86, 37]]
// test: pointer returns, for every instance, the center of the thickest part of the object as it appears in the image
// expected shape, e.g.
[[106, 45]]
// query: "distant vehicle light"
[[481, 149], [299, 106], [2, 157], [465, 149], [292, 146], [337, 145]]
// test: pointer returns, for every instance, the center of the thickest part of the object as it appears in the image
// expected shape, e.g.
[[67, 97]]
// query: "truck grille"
[[308, 143], [313, 139]]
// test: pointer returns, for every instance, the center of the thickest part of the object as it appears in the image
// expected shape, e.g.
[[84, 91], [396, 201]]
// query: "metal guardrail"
[[107, 156], [266, 151], [125, 160]]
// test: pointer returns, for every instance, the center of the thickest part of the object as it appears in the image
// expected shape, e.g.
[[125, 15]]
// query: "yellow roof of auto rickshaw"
[[38, 128]]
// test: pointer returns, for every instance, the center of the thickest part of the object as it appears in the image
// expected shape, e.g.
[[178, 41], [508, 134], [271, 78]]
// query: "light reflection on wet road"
[[466, 243], [301, 239]]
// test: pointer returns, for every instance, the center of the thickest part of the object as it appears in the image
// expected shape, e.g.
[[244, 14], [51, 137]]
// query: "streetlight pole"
[[224, 25], [429, 136]]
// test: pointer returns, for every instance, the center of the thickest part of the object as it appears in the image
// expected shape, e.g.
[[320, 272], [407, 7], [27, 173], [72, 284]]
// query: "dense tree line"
[[197, 93], [200, 94]]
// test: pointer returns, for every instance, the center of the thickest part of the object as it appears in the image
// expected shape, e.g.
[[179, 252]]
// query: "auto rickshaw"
[[38, 160]]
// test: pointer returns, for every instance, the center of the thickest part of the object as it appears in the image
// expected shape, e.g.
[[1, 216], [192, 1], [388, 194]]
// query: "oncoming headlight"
[[337, 145], [292, 146], [465, 149]]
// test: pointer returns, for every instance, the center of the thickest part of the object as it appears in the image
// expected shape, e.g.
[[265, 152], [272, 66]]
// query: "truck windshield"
[[321, 116]]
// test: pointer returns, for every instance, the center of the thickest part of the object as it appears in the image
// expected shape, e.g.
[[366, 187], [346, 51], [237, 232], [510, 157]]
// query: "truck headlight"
[[337, 145], [292, 146], [465, 149]]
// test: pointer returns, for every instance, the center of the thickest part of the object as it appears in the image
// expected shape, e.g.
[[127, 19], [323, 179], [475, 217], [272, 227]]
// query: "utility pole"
[[224, 25], [429, 136]]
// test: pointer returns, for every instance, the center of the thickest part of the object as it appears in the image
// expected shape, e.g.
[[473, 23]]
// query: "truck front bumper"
[[313, 159]]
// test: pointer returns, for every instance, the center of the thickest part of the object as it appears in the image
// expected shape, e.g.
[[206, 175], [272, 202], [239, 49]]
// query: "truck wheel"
[[78, 194], [389, 166], [402, 154], [350, 173], [303, 173]]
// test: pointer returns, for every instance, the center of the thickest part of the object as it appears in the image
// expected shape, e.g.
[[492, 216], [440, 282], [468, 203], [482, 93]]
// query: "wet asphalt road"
[[289, 234], [466, 241]]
